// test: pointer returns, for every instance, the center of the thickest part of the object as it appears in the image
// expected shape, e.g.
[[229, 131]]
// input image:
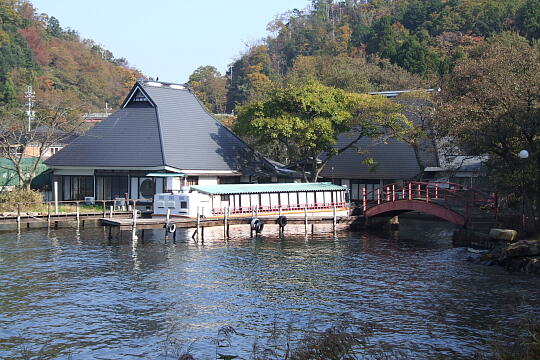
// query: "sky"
[[170, 38]]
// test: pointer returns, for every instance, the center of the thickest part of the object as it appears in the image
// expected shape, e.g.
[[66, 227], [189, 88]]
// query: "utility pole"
[[30, 95]]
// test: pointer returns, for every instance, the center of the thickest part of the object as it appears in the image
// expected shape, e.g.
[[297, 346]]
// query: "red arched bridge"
[[449, 201]]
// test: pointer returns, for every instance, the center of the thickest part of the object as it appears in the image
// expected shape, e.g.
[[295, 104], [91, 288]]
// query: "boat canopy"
[[230, 189]]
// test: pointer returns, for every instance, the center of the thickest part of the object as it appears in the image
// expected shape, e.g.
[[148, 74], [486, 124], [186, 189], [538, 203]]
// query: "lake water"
[[72, 294]]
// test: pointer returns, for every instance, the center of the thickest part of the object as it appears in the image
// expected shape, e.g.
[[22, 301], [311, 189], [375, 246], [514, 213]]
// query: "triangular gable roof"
[[192, 138], [175, 131]]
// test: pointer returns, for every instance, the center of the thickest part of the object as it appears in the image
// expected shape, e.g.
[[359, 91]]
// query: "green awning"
[[229, 189], [166, 175]]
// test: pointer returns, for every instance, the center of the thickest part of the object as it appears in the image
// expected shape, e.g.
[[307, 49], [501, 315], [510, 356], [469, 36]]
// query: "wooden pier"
[[306, 224], [160, 223]]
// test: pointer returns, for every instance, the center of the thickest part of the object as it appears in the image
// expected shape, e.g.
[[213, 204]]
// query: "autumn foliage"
[[35, 50]]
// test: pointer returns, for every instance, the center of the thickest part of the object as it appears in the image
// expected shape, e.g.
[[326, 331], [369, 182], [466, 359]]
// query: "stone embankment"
[[502, 249]]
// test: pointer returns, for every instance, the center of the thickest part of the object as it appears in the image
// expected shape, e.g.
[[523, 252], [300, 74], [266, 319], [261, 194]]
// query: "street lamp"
[[523, 155]]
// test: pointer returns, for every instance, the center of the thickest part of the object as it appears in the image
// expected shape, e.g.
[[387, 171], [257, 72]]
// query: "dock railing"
[[66, 210], [277, 208]]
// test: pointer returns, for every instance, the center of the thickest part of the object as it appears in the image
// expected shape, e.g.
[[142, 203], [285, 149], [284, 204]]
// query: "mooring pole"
[[167, 220], [334, 220], [198, 221], [77, 212], [56, 197], [436, 191], [134, 217], [393, 192], [378, 196], [48, 214], [305, 219], [112, 210], [225, 218], [18, 217], [410, 191], [427, 193]]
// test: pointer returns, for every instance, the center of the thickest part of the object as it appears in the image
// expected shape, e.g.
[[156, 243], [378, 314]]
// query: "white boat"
[[213, 201]]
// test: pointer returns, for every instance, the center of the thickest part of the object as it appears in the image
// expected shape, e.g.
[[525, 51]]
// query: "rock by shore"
[[518, 256]]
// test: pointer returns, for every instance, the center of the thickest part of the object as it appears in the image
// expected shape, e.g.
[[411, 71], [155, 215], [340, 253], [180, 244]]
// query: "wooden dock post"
[[334, 220], [134, 218], [55, 187], [167, 221], [305, 219], [18, 217], [228, 225], [225, 221], [48, 214], [198, 222]]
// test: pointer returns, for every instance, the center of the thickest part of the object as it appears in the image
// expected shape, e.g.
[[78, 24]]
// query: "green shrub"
[[29, 199]]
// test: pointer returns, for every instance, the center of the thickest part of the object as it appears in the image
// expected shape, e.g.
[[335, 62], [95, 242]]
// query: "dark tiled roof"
[[178, 132], [192, 138], [127, 138], [395, 160]]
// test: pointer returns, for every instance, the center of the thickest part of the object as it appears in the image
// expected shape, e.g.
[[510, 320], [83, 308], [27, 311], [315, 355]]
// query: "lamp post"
[[523, 155]]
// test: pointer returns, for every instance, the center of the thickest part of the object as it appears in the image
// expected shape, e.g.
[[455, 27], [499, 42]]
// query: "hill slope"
[[35, 50]]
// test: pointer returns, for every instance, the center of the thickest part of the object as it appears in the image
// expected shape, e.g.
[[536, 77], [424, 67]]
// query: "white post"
[[78, 216], [168, 215], [134, 217], [335, 220], [225, 221], [198, 221], [112, 211], [56, 197], [305, 219]]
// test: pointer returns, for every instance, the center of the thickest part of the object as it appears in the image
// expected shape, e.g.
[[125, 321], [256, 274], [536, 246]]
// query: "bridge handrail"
[[423, 191]]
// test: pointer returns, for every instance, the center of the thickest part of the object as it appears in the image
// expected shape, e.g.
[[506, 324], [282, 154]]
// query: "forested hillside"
[[36, 50], [368, 45]]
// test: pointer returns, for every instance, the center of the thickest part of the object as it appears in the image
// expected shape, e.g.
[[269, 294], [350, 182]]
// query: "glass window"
[[193, 180], [134, 193]]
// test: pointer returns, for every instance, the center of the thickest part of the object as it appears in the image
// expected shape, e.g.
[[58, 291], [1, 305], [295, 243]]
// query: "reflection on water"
[[78, 294]]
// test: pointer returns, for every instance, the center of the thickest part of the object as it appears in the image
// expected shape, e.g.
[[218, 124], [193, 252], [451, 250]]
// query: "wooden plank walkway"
[[158, 223], [52, 218]]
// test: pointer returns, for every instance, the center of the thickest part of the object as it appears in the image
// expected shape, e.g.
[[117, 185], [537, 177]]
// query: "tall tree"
[[210, 87], [307, 120], [491, 105], [55, 120]]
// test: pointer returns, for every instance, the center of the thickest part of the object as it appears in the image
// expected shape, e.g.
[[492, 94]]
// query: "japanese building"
[[161, 139]]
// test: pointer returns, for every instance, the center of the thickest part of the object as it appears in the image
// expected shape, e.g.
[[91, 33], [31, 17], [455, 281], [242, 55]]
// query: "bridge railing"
[[450, 195]]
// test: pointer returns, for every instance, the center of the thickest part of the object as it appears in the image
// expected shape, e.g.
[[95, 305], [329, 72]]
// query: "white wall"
[[208, 180]]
